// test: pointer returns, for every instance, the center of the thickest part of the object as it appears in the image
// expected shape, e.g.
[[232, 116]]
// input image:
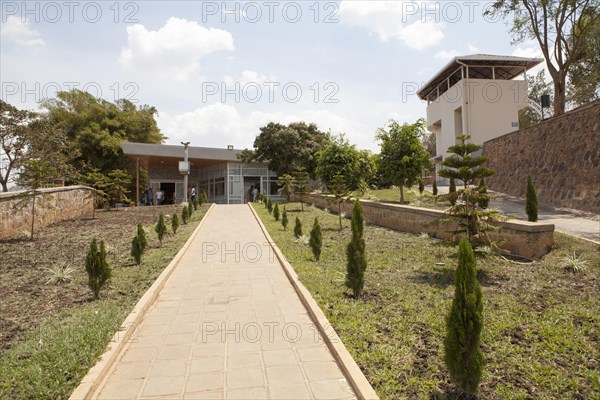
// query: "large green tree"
[[339, 157], [14, 137], [96, 128], [287, 148], [561, 29], [403, 158], [584, 78]]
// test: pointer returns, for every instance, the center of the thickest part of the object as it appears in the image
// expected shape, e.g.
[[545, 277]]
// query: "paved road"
[[577, 223], [228, 324]]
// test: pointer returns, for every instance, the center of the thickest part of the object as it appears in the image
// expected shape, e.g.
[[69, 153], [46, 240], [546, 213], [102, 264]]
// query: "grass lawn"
[[541, 337], [52, 334], [412, 197]]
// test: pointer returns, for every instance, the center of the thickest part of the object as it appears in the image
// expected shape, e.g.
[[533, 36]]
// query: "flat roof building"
[[477, 95], [217, 172]]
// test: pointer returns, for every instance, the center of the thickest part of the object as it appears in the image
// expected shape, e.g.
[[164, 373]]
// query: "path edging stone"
[[362, 388], [91, 381]]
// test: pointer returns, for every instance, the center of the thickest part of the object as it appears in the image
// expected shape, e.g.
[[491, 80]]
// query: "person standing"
[[159, 197], [193, 193], [149, 197], [254, 194]]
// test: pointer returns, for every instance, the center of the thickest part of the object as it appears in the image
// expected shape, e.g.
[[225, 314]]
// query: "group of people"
[[150, 198]]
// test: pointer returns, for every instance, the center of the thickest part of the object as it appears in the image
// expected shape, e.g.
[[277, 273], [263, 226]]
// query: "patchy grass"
[[412, 197], [541, 337], [53, 334]]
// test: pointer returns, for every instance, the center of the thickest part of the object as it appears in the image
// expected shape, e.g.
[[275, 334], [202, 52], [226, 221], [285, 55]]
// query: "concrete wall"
[[527, 239], [561, 154], [52, 205]]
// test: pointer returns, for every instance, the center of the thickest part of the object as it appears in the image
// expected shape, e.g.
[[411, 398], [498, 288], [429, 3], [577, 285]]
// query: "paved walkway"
[[574, 222], [227, 325]]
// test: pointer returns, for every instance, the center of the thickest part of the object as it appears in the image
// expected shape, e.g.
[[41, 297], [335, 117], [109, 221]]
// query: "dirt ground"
[[25, 296]]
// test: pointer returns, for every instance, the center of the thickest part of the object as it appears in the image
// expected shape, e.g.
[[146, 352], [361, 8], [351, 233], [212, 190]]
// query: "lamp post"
[[184, 168]]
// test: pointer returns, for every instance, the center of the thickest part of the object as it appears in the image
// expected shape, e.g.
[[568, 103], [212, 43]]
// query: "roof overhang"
[[481, 66], [163, 154]]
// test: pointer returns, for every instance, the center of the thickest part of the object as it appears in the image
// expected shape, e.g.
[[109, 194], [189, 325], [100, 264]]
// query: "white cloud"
[[249, 76], [21, 33], [173, 51], [447, 55], [218, 125], [400, 20], [531, 49], [472, 48]]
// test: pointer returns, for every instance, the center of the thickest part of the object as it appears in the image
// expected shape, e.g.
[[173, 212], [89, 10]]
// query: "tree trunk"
[[340, 215], [4, 186], [401, 194], [32, 215], [560, 94]]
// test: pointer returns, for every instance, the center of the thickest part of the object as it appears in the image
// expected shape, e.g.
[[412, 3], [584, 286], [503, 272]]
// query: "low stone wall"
[[562, 155], [528, 239], [51, 205]]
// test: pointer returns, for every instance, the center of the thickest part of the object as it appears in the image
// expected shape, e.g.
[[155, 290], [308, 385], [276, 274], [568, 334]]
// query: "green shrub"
[[452, 192], [185, 215], [316, 239], [161, 228], [195, 202], [97, 267], [190, 207], [137, 249], [462, 352], [435, 190], [270, 206], [355, 253], [141, 233], [276, 212], [298, 228], [531, 203], [284, 219], [421, 187], [175, 223], [483, 201]]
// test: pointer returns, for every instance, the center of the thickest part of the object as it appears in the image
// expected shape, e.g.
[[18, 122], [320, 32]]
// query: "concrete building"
[[217, 172], [476, 95]]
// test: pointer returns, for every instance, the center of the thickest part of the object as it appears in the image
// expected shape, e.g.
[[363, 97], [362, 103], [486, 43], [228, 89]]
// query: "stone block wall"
[[52, 205], [561, 154], [528, 239]]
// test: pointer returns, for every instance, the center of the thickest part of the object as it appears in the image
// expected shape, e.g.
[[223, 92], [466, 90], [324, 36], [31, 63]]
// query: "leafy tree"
[[355, 252], [97, 268], [136, 249], [161, 228], [141, 234], [468, 168], [117, 190], [276, 211], [340, 190], [100, 183], [298, 228], [340, 158], [584, 76], [316, 239], [195, 202], [402, 158], [185, 215], [531, 203], [560, 27], [284, 219], [175, 223], [462, 349], [286, 183], [301, 179], [286, 148], [14, 138], [190, 207], [270, 206], [537, 87]]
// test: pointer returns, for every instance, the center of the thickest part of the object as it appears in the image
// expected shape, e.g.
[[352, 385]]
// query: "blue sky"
[[217, 71]]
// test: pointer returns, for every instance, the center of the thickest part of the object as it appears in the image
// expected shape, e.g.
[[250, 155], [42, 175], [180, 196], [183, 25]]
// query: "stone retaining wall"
[[561, 154], [51, 205], [528, 239]]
